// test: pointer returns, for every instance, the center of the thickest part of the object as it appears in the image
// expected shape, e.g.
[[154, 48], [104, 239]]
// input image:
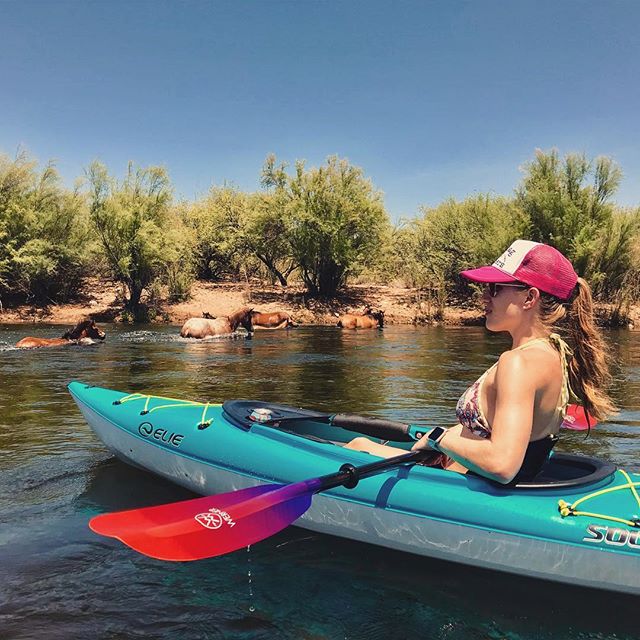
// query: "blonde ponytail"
[[589, 374]]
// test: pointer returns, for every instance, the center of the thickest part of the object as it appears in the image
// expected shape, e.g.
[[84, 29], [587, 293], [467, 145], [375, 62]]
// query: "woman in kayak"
[[508, 420]]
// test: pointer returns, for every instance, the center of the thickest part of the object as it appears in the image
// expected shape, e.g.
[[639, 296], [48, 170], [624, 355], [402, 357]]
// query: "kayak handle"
[[375, 427], [379, 427]]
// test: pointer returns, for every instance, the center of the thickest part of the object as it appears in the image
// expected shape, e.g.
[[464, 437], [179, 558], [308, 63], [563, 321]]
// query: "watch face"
[[436, 433]]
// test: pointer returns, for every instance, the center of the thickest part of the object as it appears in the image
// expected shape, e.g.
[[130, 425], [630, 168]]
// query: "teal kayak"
[[576, 523]]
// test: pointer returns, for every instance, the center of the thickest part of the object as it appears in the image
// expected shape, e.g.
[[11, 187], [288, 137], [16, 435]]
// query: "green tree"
[[132, 220], [333, 220], [614, 263], [178, 269], [264, 234], [216, 223], [45, 243], [454, 236], [569, 202]]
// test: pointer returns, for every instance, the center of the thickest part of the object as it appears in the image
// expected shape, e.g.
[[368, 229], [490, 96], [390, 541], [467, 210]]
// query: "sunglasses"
[[494, 288]]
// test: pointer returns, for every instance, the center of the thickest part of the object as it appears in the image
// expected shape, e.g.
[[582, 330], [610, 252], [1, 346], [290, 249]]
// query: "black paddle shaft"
[[349, 475]]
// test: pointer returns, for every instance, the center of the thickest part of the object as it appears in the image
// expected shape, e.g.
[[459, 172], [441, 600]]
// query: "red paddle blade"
[[209, 526], [576, 419]]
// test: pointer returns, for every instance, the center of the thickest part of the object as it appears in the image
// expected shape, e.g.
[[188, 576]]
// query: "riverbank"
[[103, 301]]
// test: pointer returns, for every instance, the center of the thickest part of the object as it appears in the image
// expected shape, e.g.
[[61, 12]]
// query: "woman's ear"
[[533, 295]]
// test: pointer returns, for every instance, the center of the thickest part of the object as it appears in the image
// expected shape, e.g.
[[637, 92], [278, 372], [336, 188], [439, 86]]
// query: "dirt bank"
[[103, 300]]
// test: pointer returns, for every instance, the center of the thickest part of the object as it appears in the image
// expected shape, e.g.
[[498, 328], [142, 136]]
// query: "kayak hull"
[[375, 512]]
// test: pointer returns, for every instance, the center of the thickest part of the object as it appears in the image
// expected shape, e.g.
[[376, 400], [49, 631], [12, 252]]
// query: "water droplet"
[[250, 580]]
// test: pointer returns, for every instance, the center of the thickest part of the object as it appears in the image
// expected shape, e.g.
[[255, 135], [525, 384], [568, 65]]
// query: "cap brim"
[[488, 274]]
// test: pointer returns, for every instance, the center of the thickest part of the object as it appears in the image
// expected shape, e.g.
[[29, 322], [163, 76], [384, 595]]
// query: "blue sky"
[[431, 99]]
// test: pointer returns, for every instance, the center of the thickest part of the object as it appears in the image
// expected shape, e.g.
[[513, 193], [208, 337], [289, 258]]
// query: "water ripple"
[[59, 580]]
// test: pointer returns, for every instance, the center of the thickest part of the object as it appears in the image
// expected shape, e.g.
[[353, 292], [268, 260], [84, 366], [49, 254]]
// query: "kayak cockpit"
[[561, 470], [568, 470]]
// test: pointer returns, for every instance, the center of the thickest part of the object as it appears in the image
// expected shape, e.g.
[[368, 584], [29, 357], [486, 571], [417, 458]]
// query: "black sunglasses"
[[494, 287]]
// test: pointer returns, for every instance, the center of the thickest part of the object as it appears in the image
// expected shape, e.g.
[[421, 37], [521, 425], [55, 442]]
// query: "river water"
[[59, 580]]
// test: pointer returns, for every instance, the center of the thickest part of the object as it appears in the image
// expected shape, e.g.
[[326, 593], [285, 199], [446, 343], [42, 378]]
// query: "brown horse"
[[272, 320], [224, 325], [85, 332], [370, 319]]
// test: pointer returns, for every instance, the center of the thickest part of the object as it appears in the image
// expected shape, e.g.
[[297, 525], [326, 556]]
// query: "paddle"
[[577, 419], [218, 524]]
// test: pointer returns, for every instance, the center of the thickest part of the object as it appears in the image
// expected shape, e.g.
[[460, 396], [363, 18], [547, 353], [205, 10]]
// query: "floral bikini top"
[[469, 410]]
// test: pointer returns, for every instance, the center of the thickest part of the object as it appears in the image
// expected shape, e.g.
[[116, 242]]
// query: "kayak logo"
[[146, 430], [214, 519], [612, 536]]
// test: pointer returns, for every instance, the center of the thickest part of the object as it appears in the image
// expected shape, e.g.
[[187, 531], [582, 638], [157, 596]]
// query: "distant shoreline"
[[102, 301]]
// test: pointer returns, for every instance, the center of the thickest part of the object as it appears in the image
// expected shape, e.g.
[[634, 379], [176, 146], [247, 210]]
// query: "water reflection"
[[59, 580]]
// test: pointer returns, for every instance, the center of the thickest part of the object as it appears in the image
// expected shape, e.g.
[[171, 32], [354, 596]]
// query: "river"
[[59, 580]]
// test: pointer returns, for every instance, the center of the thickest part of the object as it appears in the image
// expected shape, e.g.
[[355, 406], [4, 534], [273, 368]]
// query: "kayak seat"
[[567, 470], [535, 458]]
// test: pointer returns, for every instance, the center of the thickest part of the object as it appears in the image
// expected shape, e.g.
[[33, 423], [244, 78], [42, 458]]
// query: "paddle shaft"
[[349, 475]]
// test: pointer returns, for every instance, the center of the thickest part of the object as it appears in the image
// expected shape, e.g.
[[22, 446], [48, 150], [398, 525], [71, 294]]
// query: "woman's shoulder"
[[531, 362], [512, 361]]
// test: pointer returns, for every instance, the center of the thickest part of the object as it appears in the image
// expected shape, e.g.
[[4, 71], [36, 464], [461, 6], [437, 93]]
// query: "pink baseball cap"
[[532, 263]]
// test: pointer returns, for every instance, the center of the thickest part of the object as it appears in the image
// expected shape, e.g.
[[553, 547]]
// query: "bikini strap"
[[566, 353]]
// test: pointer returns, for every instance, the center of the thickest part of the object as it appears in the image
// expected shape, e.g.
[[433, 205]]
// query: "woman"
[[508, 420]]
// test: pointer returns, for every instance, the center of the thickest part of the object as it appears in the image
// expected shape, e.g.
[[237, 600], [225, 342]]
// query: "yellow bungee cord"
[[567, 509]]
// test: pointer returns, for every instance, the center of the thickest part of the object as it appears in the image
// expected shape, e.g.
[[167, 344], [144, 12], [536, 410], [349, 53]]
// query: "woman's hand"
[[424, 442]]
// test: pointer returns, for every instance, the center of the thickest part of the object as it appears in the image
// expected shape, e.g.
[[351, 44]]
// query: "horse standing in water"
[[272, 320], [224, 325], [370, 319], [85, 332]]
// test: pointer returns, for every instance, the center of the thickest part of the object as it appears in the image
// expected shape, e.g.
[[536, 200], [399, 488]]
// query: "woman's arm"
[[501, 456]]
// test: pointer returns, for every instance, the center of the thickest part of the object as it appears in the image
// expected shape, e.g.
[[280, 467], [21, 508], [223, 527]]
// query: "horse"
[[272, 320], [85, 332], [224, 325], [369, 319]]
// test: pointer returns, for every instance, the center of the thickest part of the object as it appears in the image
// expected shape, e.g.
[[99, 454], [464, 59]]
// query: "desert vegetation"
[[319, 226]]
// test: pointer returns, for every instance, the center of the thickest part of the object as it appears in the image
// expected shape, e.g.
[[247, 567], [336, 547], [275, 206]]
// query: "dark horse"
[[224, 325], [370, 319], [272, 320], [85, 332]]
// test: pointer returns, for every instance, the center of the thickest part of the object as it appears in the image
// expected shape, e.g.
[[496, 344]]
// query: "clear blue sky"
[[431, 99]]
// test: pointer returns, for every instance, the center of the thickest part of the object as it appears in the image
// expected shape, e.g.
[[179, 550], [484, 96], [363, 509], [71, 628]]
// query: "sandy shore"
[[103, 301]]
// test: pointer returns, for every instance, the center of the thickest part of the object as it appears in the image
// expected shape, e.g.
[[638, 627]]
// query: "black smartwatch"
[[434, 436]]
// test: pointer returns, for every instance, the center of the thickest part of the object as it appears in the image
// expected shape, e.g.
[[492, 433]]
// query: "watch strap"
[[435, 435]]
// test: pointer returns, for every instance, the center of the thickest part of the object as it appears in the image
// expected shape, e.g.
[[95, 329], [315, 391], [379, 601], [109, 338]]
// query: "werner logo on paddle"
[[214, 518]]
